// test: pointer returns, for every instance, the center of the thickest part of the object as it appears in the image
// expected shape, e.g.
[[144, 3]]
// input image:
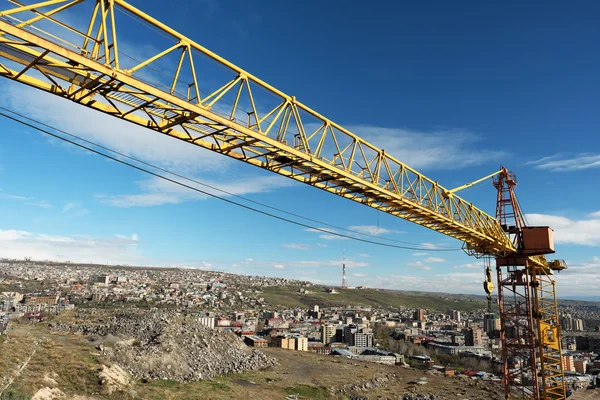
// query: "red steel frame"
[[514, 300]]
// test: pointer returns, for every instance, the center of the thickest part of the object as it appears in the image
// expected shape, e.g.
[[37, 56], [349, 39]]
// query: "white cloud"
[[123, 250], [72, 209], [567, 162], [12, 197], [419, 254], [584, 232], [449, 149], [359, 275], [475, 265], [28, 200], [305, 263], [434, 260], [365, 255], [140, 200], [68, 207], [429, 245], [322, 245], [581, 280], [278, 266], [109, 131], [418, 265], [297, 246], [41, 204], [9, 235], [325, 236], [369, 229], [134, 237], [157, 191], [19, 244], [415, 264]]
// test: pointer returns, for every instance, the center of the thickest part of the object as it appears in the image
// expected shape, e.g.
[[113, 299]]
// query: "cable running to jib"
[[198, 182]]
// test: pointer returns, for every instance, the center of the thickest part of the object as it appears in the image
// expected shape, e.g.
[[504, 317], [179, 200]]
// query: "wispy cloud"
[[73, 209], [369, 229], [475, 265], [418, 265], [18, 244], [582, 282], [41, 204], [327, 236], [434, 260], [297, 246], [134, 237], [27, 200], [301, 264], [564, 162], [156, 191], [584, 232], [112, 132], [447, 149], [13, 197], [420, 254]]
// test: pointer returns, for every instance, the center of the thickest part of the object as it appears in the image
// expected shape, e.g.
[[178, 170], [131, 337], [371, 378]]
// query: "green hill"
[[290, 296]]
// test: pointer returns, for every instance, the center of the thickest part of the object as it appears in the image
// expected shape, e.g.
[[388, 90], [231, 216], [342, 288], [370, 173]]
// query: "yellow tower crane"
[[77, 55]]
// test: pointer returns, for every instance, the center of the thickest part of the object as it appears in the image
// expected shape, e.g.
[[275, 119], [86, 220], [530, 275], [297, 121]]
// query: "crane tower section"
[[531, 348]]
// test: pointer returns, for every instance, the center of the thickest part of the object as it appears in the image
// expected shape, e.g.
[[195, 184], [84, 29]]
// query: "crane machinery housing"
[[78, 56]]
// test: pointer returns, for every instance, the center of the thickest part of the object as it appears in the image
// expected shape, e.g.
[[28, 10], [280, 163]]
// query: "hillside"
[[290, 296], [67, 366]]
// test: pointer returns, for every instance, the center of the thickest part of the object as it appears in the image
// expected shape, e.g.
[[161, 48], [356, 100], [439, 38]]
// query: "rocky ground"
[[166, 345], [87, 356]]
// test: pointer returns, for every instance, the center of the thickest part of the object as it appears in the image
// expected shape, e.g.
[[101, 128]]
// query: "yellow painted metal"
[[353, 168], [289, 138], [550, 347], [467, 185]]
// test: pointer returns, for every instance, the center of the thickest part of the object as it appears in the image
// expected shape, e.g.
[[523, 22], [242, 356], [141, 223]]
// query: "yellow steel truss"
[[243, 118], [550, 347], [289, 138]]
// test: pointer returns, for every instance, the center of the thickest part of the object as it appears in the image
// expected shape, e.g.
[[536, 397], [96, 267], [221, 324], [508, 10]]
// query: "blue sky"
[[453, 90]]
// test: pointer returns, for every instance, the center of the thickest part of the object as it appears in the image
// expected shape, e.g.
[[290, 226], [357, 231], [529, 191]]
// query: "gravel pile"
[[168, 345], [421, 396]]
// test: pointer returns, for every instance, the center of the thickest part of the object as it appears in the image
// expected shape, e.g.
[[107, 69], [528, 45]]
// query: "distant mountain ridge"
[[581, 298]]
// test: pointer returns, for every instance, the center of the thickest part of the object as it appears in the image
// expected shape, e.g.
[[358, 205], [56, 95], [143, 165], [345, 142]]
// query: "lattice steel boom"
[[189, 93], [279, 139]]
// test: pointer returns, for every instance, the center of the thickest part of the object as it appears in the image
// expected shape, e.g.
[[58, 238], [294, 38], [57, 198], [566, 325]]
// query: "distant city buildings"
[[474, 337], [328, 333], [455, 315], [419, 315], [237, 304], [491, 323]]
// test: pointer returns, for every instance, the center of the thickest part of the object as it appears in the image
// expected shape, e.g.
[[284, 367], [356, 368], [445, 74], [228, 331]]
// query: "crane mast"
[[527, 303], [78, 58]]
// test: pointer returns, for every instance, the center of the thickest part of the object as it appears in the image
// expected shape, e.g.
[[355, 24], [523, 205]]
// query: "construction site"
[[79, 58]]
